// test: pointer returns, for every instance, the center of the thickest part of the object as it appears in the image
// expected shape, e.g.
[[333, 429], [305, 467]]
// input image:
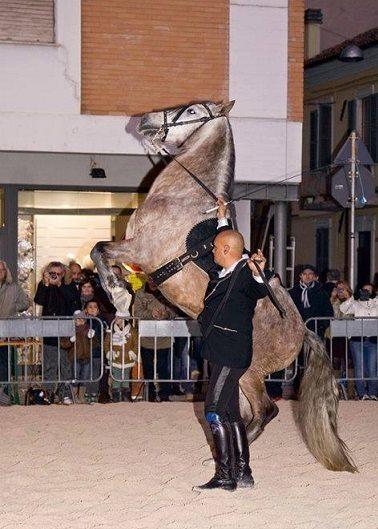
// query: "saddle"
[[199, 244]]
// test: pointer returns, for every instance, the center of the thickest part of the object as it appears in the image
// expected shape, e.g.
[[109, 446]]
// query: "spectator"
[[79, 351], [57, 299], [337, 346], [310, 300], [76, 273], [150, 305], [122, 357], [364, 349], [333, 276], [340, 293], [12, 301], [89, 290], [99, 326]]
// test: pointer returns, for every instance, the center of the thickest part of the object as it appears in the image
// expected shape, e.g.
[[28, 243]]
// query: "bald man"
[[228, 348]]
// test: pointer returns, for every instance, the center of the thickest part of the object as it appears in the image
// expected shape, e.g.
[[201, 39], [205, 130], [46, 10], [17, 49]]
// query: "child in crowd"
[[122, 356], [92, 309], [80, 349]]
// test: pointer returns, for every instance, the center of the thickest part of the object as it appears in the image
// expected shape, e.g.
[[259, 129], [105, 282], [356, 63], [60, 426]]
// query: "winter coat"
[[12, 300], [320, 306], [124, 347], [144, 304], [84, 342]]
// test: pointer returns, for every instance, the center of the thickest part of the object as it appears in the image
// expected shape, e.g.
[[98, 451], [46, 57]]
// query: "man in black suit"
[[228, 348]]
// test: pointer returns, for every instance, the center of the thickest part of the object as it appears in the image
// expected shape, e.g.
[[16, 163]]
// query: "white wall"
[[68, 237], [268, 148]]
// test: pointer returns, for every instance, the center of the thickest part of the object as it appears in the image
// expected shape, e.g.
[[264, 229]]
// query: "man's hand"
[[260, 259], [222, 208]]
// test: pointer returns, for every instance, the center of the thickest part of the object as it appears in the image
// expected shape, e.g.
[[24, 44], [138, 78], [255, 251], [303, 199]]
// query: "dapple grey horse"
[[199, 138]]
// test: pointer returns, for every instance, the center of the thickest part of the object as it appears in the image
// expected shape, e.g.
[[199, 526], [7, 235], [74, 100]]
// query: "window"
[[370, 124], [320, 136], [30, 21]]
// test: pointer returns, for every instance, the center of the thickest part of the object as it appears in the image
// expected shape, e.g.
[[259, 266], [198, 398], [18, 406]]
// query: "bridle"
[[175, 123]]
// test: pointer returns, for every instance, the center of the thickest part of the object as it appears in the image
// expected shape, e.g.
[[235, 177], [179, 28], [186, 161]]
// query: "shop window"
[[28, 21], [320, 136], [370, 124]]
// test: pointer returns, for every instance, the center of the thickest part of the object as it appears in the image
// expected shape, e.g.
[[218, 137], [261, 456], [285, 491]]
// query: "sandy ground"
[[133, 466]]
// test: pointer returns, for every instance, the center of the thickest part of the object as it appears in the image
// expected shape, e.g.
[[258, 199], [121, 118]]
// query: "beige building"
[[338, 97]]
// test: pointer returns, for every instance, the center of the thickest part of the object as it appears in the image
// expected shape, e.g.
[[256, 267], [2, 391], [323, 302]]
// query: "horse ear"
[[225, 107]]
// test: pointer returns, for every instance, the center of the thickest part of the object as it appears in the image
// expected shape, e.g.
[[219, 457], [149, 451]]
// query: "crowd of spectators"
[[71, 290]]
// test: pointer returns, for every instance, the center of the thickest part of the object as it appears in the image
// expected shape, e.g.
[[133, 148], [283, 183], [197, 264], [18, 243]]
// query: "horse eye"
[[191, 111]]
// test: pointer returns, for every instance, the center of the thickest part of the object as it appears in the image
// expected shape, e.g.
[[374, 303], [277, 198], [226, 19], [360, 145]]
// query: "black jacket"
[[320, 306], [230, 340], [57, 301]]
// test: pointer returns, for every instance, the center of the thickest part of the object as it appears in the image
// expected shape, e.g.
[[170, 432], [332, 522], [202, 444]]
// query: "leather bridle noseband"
[[175, 123]]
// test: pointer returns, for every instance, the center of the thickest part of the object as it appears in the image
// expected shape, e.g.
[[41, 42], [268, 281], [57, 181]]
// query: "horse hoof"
[[254, 430]]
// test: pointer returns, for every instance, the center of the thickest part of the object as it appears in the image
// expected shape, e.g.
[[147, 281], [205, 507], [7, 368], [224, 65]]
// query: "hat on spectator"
[[308, 267]]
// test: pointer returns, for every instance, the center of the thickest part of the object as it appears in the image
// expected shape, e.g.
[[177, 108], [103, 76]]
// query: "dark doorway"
[[363, 257]]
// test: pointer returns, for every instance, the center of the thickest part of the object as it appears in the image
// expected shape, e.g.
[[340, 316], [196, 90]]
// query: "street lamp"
[[351, 53]]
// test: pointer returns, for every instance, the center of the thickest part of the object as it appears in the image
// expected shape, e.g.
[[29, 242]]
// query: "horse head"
[[169, 129]]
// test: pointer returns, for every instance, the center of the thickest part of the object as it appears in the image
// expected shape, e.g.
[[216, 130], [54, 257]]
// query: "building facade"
[[75, 74], [338, 98]]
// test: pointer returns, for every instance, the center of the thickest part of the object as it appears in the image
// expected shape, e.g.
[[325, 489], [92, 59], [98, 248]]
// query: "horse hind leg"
[[262, 408], [114, 287]]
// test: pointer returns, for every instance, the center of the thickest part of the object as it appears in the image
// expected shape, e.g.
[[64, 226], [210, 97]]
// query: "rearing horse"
[[200, 138]]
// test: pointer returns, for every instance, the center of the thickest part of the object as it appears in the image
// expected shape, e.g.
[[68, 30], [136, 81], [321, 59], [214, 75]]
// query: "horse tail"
[[318, 405]]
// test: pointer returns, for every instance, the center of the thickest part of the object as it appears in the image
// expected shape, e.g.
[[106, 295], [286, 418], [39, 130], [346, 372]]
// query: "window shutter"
[[352, 122], [325, 134], [370, 124], [314, 139], [27, 21]]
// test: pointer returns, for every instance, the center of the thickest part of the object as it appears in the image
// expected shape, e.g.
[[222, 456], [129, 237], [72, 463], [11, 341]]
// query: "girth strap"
[[169, 269]]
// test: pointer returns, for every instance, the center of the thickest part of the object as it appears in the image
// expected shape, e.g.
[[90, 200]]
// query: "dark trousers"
[[222, 395], [4, 371], [162, 371]]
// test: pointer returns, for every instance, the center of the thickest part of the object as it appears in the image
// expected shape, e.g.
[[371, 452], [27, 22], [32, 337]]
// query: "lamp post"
[[352, 234]]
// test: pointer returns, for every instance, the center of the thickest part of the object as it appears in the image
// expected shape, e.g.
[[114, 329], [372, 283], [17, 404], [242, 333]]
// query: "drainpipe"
[[280, 239], [313, 21]]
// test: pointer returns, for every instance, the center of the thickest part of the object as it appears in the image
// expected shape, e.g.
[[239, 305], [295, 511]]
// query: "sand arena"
[[133, 466]]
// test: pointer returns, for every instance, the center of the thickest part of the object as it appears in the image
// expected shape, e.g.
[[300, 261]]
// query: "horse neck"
[[210, 154]]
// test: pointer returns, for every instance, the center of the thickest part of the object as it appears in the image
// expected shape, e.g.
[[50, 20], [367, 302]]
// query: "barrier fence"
[[49, 351], [353, 351]]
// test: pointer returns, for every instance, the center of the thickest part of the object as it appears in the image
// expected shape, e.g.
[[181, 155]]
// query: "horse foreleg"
[[263, 408], [101, 255]]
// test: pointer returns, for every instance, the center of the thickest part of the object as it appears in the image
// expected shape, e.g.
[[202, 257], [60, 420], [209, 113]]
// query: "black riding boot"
[[242, 470], [223, 478]]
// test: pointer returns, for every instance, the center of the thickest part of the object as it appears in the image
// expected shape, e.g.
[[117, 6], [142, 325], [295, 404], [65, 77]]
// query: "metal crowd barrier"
[[339, 334], [23, 351], [189, 332]]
